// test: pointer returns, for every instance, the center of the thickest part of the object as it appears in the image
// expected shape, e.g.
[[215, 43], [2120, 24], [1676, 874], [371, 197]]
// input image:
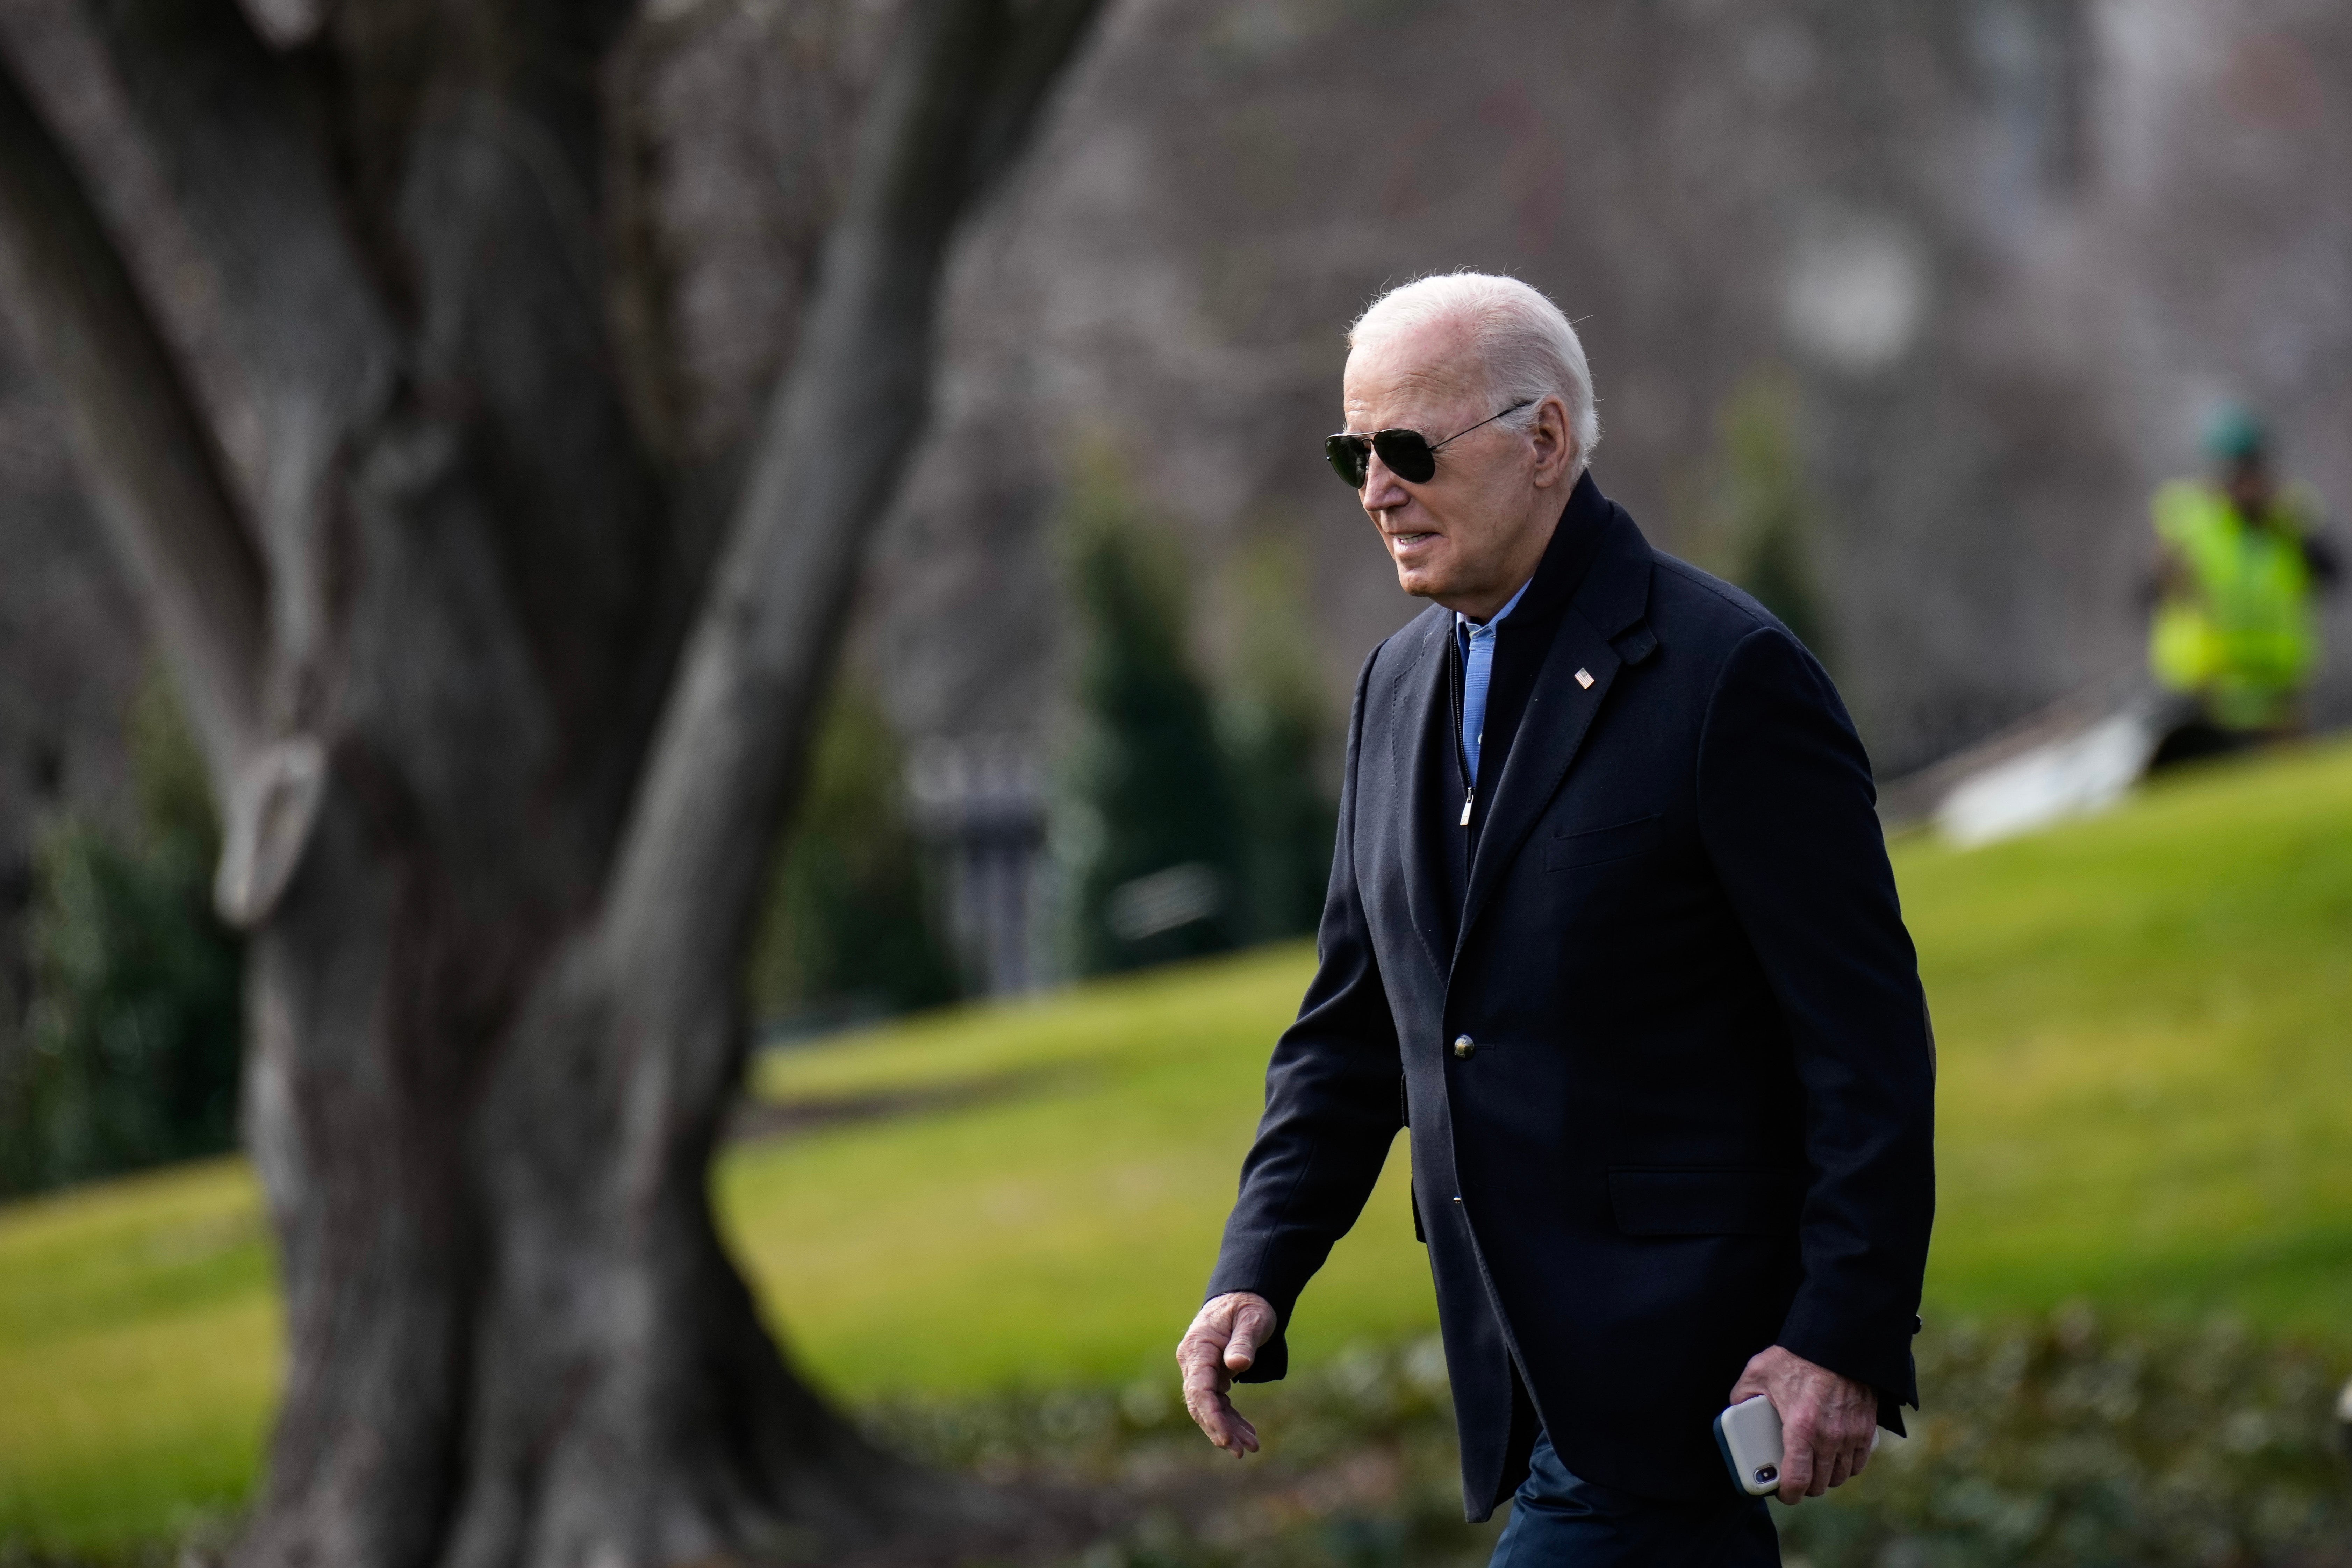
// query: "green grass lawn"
[[2147, 1099]]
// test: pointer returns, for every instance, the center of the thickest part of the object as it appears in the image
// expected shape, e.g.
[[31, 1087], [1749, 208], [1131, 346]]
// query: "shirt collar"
[[1463, 623]]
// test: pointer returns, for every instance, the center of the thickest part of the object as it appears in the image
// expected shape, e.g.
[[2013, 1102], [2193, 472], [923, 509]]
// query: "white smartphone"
[[1749, 1437]]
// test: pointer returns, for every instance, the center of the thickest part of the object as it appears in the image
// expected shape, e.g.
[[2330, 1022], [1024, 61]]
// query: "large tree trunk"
[[500, 753]]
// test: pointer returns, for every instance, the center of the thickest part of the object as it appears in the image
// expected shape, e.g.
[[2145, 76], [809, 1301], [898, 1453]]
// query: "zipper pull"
[[1469, 799]]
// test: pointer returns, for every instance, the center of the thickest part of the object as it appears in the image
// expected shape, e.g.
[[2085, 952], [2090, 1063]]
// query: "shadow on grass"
[[755, 1119]]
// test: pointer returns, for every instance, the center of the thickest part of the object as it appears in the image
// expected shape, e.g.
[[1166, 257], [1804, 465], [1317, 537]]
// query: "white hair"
[[1526, 346]]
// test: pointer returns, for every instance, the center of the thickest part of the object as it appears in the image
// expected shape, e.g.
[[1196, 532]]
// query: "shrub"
[[849, 930], [2063, 1443], [2048, 1443], [134, 1029], [1148, 829], [1271, 724]]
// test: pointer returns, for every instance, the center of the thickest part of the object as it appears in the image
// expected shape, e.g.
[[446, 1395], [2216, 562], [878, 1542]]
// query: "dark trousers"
[[1559, 1519]]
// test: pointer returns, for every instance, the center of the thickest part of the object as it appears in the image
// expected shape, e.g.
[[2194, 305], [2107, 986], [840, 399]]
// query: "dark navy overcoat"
[[1691, 1113]]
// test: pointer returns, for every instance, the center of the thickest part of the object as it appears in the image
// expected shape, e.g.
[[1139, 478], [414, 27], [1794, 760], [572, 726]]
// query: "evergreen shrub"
[[133, 1037], [851, 930]]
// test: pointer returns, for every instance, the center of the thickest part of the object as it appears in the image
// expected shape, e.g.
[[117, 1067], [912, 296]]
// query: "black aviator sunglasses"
[[1410, 455]]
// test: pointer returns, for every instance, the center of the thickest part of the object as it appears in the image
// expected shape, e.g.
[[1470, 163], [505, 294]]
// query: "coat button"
[[1464, 1047]]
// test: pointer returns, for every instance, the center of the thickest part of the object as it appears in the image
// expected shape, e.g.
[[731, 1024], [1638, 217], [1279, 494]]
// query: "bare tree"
[[502, 739]]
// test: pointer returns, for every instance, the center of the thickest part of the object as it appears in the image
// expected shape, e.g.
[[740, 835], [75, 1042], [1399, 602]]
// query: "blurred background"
[[1898, 316]]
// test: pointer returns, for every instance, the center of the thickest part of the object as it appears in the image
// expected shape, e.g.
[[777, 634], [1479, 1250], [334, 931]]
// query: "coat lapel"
[[1600, 633], [1418, 689]]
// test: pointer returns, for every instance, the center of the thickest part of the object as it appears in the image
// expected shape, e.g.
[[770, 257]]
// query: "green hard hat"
[[2235, 435]]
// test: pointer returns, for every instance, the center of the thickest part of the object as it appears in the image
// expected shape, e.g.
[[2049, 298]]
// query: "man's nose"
[[1383, 491]]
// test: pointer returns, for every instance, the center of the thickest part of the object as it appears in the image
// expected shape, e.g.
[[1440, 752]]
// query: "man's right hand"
[[1223, 1339]]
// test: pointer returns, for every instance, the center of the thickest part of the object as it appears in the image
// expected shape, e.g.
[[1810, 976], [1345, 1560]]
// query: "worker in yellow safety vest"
[[2240, 561]]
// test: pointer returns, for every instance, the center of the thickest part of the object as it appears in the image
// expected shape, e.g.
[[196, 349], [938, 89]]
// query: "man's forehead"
[[1426, 363]]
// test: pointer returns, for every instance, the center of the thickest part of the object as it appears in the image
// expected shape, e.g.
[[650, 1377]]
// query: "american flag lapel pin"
[[1584, 678]]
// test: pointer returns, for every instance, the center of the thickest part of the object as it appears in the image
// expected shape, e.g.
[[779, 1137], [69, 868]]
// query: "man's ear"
[[1555, 443]]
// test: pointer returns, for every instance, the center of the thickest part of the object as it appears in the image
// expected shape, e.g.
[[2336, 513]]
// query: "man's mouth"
[[1407, 541]]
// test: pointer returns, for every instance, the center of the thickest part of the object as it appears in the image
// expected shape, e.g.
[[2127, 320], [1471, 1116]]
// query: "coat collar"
[[1576, 542]]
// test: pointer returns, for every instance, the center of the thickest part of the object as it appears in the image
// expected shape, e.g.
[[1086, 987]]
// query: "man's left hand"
[[1826, 1421]]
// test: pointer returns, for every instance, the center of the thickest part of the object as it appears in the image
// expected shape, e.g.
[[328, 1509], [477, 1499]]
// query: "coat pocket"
[[1592, 845], [1709, 1201]]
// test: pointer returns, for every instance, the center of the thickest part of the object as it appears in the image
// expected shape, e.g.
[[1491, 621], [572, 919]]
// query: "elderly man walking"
[[1612, 929]]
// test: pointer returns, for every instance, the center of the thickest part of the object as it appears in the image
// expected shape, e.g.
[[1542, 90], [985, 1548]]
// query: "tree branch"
[[305, 324], [150, 461], [838, 433], [1049, 35]]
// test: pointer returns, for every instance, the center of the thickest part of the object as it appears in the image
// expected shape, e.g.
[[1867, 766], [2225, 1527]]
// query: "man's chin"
[[1420, 582]]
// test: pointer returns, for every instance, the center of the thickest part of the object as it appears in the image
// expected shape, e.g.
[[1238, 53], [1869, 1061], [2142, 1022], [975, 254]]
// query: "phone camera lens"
[[1766, 1473]]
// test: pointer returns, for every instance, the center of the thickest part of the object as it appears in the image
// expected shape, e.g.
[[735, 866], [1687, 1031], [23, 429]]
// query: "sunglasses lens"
[[1349, 456], [1407, 453]]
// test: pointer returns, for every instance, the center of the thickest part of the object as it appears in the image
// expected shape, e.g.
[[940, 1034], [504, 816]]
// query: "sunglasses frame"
[[1351, 455]]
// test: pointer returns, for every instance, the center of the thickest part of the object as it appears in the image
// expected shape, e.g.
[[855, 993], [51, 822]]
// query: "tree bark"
[[607, 1407], [504, 758]]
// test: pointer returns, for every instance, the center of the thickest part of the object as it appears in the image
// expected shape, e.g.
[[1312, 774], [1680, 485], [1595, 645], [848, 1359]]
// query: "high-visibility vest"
[[2240, 636]]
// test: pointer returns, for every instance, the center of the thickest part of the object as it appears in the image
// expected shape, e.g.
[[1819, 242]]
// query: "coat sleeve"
[[1786, 811], [1332, 1104]]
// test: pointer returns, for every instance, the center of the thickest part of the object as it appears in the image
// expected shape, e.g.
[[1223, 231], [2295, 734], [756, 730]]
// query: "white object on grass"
[[2075, 775]]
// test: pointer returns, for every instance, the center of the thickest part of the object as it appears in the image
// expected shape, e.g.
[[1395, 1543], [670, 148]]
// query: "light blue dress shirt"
[[1477, 674]]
